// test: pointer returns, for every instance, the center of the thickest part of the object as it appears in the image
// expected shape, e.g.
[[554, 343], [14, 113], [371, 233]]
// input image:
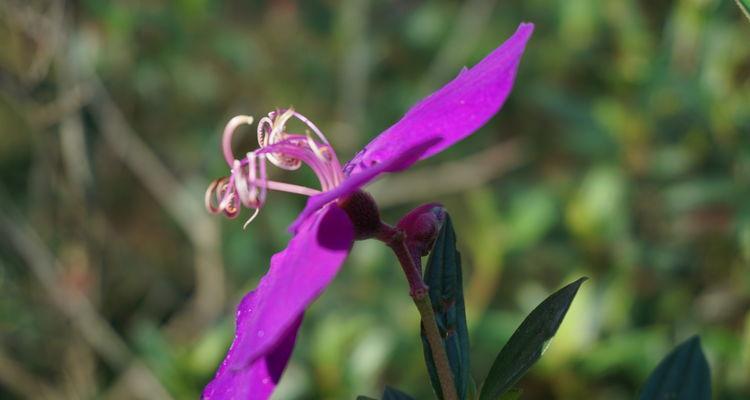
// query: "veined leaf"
[[683, 374], [528, 342], [443, 277]]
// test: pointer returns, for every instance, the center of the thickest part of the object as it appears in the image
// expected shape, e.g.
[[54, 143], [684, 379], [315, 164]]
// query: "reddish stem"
[[418, 290], [395, 238]]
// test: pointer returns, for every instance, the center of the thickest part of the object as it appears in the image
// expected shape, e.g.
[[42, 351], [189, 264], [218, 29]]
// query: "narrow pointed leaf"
[[683, 374], [394, 394], [745, 7], [443, 277], [471, 391], [513, 394], [528, 342]]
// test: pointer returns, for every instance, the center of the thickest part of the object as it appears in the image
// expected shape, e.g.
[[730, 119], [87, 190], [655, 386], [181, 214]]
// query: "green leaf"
[[443, 277], [683, 374], [528, 342], [513, 394], [362, 397], [394, 394], [745, 7], [471, 390]]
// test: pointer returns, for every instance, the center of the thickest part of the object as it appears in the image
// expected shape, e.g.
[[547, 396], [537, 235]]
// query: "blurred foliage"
[[631, 130]]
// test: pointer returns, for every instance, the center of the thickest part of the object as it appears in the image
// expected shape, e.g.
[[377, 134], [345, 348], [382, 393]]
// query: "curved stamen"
[[252, 217], [226, 142], [270, 132], [310, 125], [248, 183], [291, 148], [213, 188], [248, 196], [315, 148]]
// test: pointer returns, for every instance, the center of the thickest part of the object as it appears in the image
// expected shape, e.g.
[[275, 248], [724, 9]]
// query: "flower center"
[[248, 183]]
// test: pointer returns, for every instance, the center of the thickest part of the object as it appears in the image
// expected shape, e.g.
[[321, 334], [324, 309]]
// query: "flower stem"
[[445, 374], [395, 239]]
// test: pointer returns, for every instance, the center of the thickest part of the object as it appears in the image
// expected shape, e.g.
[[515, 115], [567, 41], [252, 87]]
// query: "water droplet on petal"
[[261, 333]]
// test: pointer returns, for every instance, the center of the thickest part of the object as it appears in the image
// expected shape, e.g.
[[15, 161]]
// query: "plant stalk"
[[445, 374], [395, 239]]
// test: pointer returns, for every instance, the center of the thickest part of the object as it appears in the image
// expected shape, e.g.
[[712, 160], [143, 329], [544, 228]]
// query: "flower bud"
[[421, 226], [362, 210]]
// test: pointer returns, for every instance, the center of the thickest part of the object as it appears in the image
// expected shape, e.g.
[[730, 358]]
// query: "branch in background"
[[185, 207], [356, 65], [126, 386], [94, 329], [41, 116], [81, 88], [42, 28], [21, 382], [67, 103], [454, 176], [745, 7]]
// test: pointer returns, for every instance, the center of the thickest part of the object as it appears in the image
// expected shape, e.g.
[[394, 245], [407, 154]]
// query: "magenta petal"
[[296, 277], [259, 379], [355, 181], [267, 319], [456, 110]]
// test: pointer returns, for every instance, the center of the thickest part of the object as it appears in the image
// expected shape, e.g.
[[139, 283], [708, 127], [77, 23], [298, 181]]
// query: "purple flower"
[[268, 317]]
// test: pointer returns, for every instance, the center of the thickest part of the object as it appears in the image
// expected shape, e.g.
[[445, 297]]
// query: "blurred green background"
[[623, 154]]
